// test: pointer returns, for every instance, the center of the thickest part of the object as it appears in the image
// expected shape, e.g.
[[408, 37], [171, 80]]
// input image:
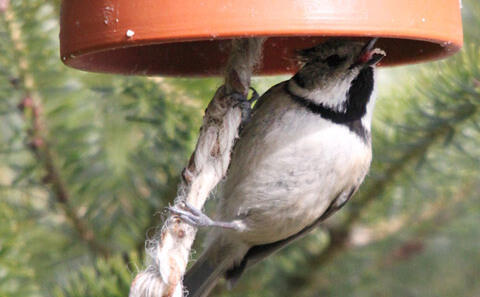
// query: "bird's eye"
[[334, 60]]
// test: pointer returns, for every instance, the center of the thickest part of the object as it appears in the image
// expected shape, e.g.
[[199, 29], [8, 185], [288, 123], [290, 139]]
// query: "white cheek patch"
[[333, 97]]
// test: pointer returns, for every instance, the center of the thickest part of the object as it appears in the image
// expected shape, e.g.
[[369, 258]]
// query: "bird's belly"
[[289, 186]]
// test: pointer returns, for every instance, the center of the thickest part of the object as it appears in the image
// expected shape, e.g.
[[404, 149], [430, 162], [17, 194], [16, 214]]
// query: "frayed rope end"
[[150, 284]]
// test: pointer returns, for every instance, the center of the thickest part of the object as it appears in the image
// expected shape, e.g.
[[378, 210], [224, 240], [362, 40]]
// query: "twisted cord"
[[168, 252]]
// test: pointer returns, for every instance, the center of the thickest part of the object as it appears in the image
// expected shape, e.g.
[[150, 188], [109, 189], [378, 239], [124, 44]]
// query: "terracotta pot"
[[190, 37]]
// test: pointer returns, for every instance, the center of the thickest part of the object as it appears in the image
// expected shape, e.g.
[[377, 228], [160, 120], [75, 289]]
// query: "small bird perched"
[[301, 156]]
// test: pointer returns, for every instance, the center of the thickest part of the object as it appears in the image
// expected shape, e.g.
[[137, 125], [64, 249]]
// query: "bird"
[[302, 154]]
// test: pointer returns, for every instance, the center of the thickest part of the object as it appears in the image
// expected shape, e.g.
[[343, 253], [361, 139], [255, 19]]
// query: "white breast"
[[287, 168]]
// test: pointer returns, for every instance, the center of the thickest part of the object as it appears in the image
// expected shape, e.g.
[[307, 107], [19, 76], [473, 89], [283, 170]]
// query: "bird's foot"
[[244, 104], [197, 218]]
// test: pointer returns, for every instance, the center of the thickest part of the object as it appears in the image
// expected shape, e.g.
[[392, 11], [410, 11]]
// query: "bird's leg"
[[197, 218]]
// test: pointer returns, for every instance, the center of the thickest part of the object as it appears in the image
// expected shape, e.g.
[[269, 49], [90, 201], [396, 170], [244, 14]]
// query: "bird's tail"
[[221, 256], [202, 277]]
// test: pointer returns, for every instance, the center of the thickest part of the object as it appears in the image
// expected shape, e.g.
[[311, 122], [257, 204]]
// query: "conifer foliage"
[[87, 161]]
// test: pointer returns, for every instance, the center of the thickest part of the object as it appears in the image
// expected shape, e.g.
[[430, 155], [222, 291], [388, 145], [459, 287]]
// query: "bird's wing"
[[259, 252]]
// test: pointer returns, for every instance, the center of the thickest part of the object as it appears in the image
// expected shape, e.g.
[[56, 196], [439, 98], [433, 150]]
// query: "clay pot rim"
[[172, 37], [450, 48]]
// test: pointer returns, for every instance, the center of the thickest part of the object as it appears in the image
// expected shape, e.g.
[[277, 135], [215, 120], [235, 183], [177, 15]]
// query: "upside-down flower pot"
[[191, 37]]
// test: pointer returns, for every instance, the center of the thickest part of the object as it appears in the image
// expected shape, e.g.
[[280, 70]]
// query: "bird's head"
[[330, 68], [334, 61]]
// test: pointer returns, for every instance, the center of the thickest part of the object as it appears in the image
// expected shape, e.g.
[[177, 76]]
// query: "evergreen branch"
[[41, 148], [431, 212], [143, 120], [38, 143], [115, 278], [437, 216]]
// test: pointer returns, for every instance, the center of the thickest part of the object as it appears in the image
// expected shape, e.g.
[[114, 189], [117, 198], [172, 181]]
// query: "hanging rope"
[[168, 252]]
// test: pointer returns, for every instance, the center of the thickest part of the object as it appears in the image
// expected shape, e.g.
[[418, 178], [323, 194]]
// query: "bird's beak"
[[370, 55]]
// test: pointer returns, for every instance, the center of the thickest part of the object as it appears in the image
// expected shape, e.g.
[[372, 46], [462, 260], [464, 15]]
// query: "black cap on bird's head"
[[336, 60], [335, 52]]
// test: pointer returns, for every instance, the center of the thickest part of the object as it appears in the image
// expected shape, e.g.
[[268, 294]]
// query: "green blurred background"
[[88, 162]]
